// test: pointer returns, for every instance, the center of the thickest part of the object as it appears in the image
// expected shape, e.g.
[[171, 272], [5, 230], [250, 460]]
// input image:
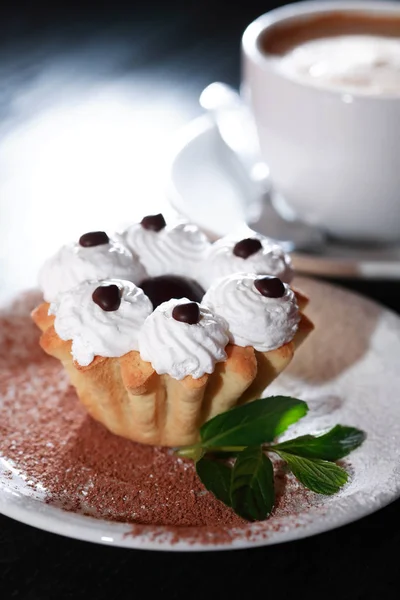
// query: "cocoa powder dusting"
[[46, 434]]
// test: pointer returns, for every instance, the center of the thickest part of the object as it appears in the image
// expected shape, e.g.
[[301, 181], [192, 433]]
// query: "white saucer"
[[203, 188], [352, 380]]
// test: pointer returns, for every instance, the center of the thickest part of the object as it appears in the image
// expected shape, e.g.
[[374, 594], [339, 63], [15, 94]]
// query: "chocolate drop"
[[247, 247], [108, 297], [187, 313], [153, 222], [163, 288], [93, 238], [270, 287]]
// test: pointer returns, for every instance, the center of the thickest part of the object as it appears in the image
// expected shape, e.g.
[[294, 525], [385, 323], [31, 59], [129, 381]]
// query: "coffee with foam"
[[348, 52]]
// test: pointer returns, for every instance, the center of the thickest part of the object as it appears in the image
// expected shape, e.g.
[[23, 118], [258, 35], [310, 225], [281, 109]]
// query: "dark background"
[[180, 47]]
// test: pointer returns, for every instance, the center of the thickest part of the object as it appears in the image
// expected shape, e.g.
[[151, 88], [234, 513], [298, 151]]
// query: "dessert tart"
[[152, 355]]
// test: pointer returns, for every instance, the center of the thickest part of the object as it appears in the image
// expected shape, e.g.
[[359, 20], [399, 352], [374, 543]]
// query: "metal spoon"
[[237, 130]]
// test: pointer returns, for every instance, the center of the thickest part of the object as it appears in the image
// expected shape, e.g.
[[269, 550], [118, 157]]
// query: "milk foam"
[[365, 64]]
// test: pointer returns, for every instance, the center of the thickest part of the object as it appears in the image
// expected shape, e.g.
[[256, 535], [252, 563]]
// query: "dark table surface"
[[160, 55]]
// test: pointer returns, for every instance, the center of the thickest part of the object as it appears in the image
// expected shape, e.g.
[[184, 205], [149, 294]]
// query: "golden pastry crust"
[[127, 396], [40, 316]]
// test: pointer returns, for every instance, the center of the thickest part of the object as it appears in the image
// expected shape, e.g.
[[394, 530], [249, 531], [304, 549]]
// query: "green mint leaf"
[[252, 485], [333, 445], [223, 454], [216, 478], [317, 475], [254, 423]]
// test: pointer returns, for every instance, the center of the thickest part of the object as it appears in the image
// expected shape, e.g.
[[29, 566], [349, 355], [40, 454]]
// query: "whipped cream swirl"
[[221, 261], [253, 319], [179, 349], [174, 250], [94, 331], [73, 264]]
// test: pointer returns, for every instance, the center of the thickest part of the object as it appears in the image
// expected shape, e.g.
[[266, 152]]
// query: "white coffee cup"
[[334, 157]]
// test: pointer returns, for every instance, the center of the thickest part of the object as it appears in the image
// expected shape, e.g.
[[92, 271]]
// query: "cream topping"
[[95, 331], [253, 319], [179, 349], [73, 264], [221, 261], [174, 250]]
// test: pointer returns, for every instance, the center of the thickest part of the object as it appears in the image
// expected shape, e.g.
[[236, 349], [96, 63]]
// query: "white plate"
[[202, 187], [348, 373]]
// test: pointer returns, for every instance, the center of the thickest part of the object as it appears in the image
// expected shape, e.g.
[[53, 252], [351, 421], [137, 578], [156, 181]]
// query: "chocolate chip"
[[187, 313], [163, 288], [270, 287], [93, 238], [247, 247], [108, 297], [153, 222]]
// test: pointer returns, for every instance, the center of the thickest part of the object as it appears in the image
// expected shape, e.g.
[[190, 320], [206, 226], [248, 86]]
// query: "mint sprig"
[[246, 433]]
